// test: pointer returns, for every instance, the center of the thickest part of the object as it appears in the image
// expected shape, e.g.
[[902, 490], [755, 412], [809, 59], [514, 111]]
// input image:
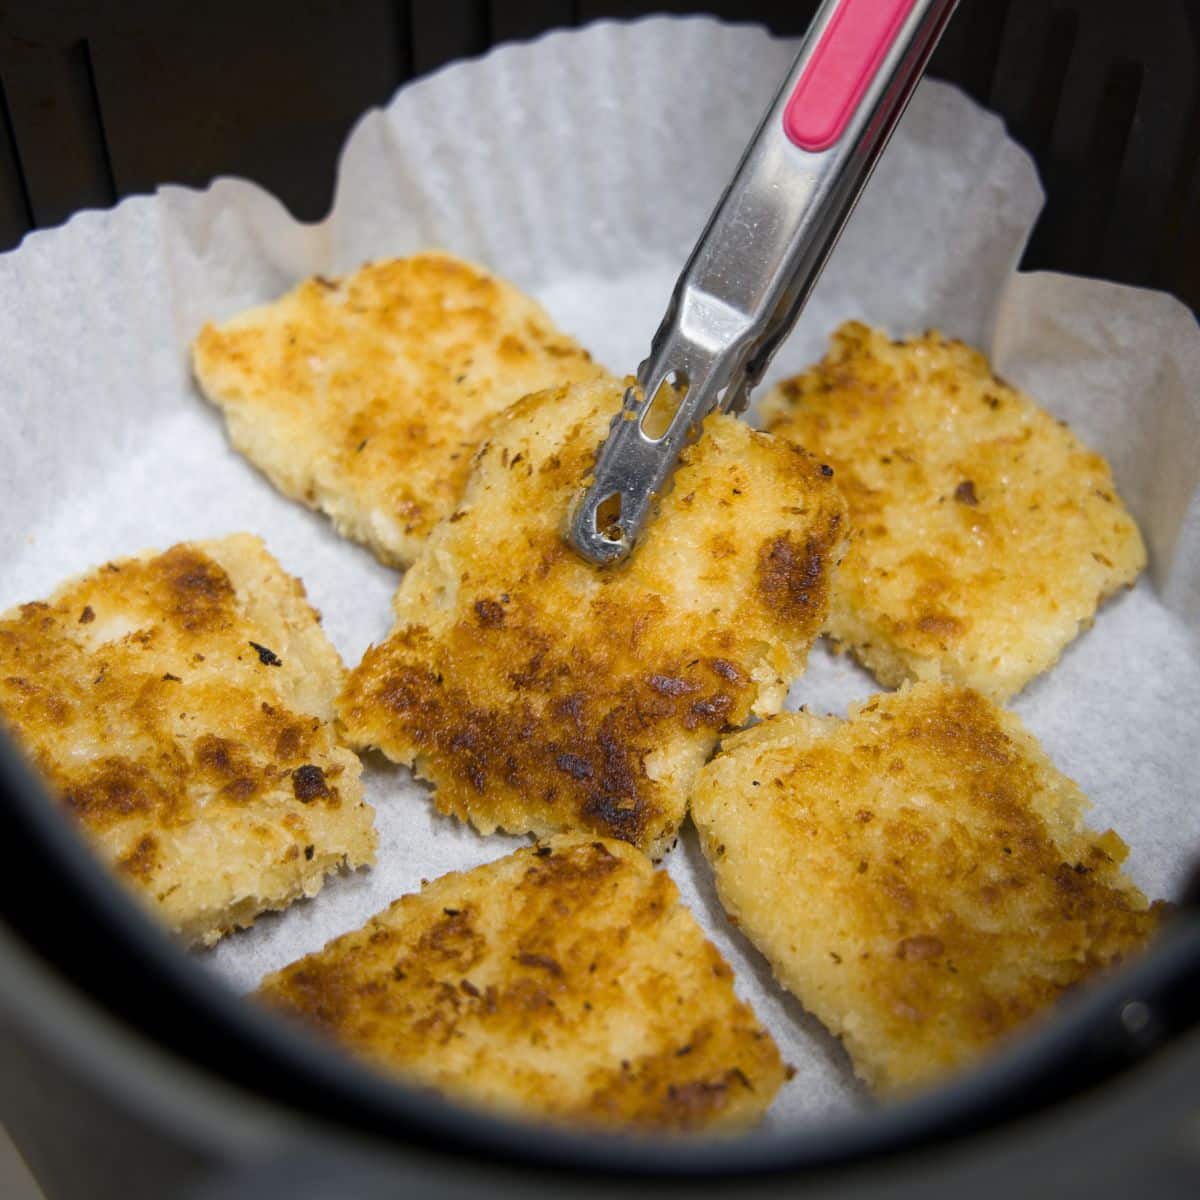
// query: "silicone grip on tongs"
[[841, 68]]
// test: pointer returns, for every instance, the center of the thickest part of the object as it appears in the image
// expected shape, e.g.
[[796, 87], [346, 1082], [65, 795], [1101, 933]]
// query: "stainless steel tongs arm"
[[761, 253]]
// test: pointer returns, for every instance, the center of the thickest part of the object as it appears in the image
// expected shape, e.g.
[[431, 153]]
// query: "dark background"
[[98, 101]]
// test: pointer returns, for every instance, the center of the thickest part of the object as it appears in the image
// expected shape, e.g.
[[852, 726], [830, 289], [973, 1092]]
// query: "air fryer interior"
[[98, 941], [1106, 105]]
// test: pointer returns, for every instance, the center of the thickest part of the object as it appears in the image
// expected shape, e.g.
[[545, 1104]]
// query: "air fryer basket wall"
[[1104, 95], [123, 1069]]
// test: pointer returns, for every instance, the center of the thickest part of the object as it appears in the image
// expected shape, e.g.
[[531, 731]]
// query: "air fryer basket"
[[125, 1070], [212, 1093], [1103, 94]]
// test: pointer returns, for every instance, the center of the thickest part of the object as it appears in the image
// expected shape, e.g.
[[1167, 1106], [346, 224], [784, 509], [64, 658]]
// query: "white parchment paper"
[[583, 167]]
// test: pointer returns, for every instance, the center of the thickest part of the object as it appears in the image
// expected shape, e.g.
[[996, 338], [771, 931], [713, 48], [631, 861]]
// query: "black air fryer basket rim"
[[97, 937]]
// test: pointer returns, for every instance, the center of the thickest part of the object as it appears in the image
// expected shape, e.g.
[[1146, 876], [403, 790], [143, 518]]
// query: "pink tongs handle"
[[841, 68]]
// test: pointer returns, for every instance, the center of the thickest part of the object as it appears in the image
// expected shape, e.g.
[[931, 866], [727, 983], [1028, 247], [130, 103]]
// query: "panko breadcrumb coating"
[[984, 534], [565, 981], [364, 397], [918, 875], [178, 704], [541, 693]]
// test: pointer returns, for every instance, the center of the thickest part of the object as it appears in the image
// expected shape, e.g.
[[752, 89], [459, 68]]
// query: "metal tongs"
[[761, 252]]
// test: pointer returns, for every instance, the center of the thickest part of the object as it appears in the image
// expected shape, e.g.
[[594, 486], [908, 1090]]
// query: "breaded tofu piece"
[[566, 981], [918, 875], [984, 533], [364, 397], [179, 705], [540, 693]]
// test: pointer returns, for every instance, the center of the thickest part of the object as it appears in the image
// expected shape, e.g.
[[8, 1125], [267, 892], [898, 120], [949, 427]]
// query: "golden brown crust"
[[178, 703], [564, 981], [541, 694], [984, 534], [918, 875], [365, 396]]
